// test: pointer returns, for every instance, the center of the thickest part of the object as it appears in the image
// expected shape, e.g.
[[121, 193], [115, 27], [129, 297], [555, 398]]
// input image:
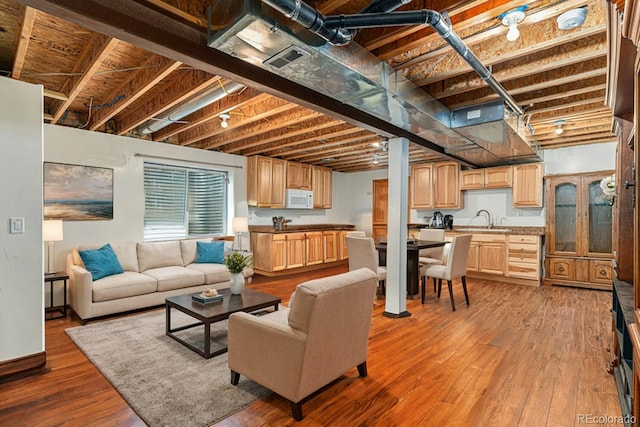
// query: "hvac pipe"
[[425, 16]]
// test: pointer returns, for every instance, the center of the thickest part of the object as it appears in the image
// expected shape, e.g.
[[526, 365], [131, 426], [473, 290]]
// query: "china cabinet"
[[579, 248]]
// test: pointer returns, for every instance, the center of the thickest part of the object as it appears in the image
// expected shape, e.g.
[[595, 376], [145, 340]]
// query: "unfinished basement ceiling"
[[103, 84]]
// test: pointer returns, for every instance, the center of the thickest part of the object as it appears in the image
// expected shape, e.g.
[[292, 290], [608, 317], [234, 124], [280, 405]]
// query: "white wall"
[[74, 146], [21, 262]]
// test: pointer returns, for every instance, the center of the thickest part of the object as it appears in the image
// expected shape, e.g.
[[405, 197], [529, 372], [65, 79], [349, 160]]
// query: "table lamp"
[[51, 233], [240, 224]]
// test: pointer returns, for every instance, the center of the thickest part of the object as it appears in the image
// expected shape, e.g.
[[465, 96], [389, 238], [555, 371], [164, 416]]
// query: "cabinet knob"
[[561, 269], [603, 272]]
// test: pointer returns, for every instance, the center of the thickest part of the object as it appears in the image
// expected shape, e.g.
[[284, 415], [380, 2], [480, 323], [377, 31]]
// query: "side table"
[[50, 278]]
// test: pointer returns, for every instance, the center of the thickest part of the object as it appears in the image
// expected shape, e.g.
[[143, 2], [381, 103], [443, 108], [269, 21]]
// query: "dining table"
[[413, 263]]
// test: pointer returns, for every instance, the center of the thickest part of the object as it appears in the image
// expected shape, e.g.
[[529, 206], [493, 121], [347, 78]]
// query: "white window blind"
[[182, 202]]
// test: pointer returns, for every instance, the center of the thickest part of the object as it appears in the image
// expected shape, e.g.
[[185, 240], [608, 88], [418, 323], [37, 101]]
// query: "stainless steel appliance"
[[437, 221], [448, 222]]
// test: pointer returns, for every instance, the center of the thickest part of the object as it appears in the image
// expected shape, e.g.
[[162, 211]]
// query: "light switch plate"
[[16, 225]]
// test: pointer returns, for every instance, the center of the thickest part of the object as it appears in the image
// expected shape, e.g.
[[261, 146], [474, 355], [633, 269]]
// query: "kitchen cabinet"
[[527, 186], [272, 250], [421, 193], [298, 176], [343, 253], [296, 248], [524, 257], [475, 179], [579, 231], [330, 245], [511, 258], [313, 248], [435, 185], [380, 196], [321, 184], [446, 186], [266, 179]]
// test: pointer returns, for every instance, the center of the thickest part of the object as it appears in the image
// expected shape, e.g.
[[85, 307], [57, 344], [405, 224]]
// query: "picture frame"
[[77, 192]]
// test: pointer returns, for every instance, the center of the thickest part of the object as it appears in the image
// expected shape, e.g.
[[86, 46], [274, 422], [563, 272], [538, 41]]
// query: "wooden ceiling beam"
[[26, 19], [141, 81], [89, 62], [181, 86]]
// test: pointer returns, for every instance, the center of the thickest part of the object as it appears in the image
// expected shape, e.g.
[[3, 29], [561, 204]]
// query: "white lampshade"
[[240, 224], [52, 230]]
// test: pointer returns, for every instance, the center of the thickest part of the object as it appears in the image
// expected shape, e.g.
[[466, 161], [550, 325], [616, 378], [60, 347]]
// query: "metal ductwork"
[[298, 50], [181, 111]]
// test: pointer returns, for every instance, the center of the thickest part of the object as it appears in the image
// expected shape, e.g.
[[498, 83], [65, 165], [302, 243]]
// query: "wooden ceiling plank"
[[55, 95], [230, 102], [27, 18], [183, 86], [254, 129], [279, 139], [139, 83], [89, 62]]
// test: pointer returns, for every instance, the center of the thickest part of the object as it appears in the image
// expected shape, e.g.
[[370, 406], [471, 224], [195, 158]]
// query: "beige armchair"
[[297, 350]]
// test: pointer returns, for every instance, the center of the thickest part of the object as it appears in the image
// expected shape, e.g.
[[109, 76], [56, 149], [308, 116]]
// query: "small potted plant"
[[236, 262]]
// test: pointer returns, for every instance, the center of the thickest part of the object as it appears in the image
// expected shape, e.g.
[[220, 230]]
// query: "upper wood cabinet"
[[474, 179], [421, 183], [298, 176], [435, 185], [321, 183], [446, 185], [527, 186], [266, 182]]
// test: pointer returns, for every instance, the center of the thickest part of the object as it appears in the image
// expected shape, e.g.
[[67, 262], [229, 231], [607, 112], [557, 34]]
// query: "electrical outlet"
[[16, 225]]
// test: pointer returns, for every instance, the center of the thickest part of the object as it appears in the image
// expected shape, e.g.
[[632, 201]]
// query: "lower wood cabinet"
[[513, 258], [593, 273], [276, 252]]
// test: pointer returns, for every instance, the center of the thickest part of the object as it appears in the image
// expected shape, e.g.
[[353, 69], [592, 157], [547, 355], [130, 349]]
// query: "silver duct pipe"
[[311, 19], [195, 104], [371, 20]]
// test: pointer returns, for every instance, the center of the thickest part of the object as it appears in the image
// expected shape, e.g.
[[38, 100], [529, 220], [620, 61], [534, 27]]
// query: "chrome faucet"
[[489, 219]]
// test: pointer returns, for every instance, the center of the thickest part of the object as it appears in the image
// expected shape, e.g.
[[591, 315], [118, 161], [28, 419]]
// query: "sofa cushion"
[[189, 250], [213, 273], [158, 254], [123, 285], [210, 252], [174, 277], [101, 262], [126, 253]]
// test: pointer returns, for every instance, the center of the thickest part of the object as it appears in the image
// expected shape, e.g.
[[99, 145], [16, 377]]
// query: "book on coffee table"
[[202, 299]]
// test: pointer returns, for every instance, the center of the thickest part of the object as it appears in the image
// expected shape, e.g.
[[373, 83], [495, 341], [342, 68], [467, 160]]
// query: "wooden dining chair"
[[362, 253], [455, 266], [431, 255]]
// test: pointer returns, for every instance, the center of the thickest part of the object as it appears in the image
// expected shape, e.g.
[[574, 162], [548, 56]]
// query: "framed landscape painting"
[[77, 193]]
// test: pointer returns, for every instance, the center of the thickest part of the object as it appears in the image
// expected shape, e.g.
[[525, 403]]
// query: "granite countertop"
[[502, 229], [294, 228]]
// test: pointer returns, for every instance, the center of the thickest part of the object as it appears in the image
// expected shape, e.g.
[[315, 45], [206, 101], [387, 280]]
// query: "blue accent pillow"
[[210, 252], [101, 262]]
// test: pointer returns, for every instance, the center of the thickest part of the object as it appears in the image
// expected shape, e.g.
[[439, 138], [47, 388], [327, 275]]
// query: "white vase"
[[236, 283]]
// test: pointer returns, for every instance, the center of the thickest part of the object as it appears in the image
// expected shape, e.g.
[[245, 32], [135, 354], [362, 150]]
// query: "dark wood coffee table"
[[207, 314]]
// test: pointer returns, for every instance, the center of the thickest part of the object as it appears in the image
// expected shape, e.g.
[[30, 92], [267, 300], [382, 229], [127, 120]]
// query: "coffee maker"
[[448, 222], [437, 221]]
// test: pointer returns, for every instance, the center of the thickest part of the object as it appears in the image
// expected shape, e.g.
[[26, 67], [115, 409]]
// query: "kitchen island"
[[298, 247]]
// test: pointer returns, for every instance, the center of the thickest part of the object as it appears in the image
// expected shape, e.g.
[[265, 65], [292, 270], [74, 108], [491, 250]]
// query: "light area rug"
[[164, 382]]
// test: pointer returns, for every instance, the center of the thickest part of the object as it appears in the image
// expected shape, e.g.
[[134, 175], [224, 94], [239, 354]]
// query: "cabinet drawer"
[[525, 270], [562, 268], [601, 271], [526, 257], [517, 238], [522, 247], [489, 238]]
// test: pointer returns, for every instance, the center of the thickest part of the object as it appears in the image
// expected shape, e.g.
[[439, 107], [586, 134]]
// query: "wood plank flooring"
[[517, 356]]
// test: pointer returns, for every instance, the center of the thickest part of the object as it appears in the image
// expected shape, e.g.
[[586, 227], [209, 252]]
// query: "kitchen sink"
[[485, 230]]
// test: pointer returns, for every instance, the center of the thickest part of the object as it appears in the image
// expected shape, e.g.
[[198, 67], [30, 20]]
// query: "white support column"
[[398, 175]]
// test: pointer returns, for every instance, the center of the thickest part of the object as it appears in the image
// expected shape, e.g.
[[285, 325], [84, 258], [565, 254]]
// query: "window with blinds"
[[183, 202]]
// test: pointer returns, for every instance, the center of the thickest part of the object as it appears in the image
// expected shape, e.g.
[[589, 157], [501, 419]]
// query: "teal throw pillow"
[[210, 252], [101, 262]]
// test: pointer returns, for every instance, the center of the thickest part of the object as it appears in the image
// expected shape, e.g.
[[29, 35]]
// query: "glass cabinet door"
[[600, 217], [566, 197]]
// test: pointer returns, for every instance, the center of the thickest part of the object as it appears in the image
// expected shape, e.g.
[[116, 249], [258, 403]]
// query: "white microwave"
[[299, 199]]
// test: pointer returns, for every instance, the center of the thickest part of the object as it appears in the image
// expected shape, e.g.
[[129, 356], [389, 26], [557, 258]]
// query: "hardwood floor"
[[517, 356]]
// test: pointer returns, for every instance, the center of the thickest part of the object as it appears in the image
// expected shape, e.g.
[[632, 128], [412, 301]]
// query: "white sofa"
[[152, 271]]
